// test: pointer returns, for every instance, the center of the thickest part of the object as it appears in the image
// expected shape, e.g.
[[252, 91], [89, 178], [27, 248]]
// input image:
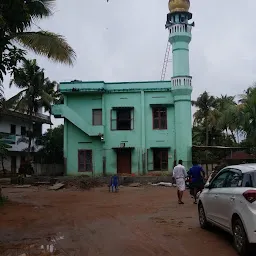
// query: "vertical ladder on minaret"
[[166, 60]]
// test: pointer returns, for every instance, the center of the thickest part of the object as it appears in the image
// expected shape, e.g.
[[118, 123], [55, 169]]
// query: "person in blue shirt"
[[197, 175], [114, 182]]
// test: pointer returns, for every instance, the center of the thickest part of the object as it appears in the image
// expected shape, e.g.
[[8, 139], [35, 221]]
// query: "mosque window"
[[97, 117], [159, 118], [122, 118]]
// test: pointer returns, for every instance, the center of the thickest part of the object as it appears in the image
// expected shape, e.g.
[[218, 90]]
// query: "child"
[[114, 181]]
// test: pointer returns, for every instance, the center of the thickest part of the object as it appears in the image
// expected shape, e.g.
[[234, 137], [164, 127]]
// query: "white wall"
[[7, 163], [5, 127], [5, 124]]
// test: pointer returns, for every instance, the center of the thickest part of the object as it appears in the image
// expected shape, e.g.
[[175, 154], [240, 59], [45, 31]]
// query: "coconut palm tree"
[[2, 98], [229, 120], [206, 115], [16, 20], [247, 110], [51, 87], [30, 79]]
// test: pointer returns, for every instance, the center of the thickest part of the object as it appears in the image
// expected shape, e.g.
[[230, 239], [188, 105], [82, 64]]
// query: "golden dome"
[[179, 5]]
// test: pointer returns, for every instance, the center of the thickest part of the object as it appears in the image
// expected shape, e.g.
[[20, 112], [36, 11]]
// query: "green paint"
[[82, 97]]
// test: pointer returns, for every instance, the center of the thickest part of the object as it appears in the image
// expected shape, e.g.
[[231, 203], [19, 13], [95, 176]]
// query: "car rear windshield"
[[249, 179]]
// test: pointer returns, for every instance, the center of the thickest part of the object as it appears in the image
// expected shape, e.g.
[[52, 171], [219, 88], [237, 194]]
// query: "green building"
[[132, 127]]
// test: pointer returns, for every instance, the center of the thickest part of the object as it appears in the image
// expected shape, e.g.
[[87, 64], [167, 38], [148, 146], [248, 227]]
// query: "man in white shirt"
[[179, 174]]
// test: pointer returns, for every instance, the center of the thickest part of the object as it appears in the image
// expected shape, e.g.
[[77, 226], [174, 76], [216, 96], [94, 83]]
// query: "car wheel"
[[241, 243], [202, 218]]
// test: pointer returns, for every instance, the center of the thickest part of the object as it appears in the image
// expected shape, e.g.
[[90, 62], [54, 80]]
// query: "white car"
[[229, 202]]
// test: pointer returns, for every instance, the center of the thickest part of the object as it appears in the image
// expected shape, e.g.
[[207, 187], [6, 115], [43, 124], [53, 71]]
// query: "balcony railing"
[[17, 142], [8, 138]]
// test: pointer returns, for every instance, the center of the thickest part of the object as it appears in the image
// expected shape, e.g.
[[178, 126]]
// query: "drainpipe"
[[104, 171], [143, 134], [65, 144]]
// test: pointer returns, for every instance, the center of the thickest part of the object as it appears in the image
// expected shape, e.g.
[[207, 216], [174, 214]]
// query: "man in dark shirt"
[[197, 174], [114, 182]]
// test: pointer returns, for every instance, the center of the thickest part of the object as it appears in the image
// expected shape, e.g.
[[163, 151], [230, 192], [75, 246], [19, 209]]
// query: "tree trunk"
[[51, 121], [206, 135], [226, 129], [30, 135], [2, 162], [233, 136]]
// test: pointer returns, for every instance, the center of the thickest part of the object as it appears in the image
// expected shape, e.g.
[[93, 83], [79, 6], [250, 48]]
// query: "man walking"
[[197, 183], [179, 174]]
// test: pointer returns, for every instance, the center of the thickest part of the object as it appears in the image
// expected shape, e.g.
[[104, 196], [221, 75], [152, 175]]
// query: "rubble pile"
[[82, 183]]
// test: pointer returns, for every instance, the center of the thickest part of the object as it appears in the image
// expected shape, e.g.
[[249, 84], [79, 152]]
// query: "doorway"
[[124, 162], [160, 158], [13, 164]]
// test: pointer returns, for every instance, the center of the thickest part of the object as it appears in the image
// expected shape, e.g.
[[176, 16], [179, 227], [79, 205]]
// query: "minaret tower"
[[180, 37]]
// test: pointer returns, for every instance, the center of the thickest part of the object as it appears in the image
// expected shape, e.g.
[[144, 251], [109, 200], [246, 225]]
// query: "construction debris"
[[57, 186], [41, 183], [164, 184], [84, 183], [134, 185], [23, 186]]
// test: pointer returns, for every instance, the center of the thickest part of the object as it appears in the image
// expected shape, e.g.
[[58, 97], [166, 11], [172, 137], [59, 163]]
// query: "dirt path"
[[136, 221]]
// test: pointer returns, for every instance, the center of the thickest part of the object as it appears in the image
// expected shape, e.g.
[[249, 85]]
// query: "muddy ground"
[[136, 221]]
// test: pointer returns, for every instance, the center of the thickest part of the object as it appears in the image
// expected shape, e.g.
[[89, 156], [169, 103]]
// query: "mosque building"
[[132, 127]]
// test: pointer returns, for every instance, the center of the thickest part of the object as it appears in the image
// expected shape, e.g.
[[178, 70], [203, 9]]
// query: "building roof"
[[38, 118], [104, 87], [216, 147], [241, 155]]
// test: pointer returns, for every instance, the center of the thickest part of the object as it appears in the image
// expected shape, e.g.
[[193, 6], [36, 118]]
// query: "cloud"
[[126, 40]]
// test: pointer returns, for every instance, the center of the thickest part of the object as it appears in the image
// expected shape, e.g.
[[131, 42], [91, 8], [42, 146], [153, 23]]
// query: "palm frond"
[[40, 8], [49, 44]]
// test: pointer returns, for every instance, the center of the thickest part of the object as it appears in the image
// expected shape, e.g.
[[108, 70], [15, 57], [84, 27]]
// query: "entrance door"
[[123, 161], [160, 158]]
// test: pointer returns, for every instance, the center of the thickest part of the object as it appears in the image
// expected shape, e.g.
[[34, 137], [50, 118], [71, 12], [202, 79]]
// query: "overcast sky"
[[125, 40]]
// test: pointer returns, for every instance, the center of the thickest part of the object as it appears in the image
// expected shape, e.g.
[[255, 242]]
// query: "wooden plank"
[[57, 186]]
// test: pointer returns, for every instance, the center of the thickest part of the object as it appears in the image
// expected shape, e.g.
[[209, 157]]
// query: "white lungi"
[[180, 182]]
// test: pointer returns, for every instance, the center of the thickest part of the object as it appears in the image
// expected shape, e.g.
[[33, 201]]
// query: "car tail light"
[[250, 195]]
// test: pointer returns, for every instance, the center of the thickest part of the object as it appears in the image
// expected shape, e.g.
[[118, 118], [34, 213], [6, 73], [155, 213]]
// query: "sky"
[[125, 40]]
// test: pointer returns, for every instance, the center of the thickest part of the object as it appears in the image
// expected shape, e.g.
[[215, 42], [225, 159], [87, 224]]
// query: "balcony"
[[16, 144], [8, 138]]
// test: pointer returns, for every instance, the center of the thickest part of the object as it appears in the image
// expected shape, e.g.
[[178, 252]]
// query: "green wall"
[[142, 138]]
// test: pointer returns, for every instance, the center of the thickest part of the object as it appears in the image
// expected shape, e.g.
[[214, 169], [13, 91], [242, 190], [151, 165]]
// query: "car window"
[[234, 180], [219, 181], [249, 180]]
